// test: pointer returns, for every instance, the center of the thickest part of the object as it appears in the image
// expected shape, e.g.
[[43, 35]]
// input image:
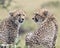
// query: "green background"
[[29, 6]]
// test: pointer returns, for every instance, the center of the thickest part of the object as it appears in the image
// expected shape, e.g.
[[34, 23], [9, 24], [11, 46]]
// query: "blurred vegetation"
[[5, 3], [29, 6], [51, 4]]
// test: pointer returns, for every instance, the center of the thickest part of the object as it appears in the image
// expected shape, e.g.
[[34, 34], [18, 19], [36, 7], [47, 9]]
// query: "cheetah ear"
[[45, 13], [11, 13]]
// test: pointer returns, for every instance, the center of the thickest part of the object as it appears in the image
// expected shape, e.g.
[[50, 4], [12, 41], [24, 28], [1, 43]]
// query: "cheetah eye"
[[45, 13], [23, 15], [19, 14], [11, 13], [37, 14]]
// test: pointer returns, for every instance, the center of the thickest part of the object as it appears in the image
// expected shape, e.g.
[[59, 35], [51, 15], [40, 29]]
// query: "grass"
[[29, 6], [51, 4]]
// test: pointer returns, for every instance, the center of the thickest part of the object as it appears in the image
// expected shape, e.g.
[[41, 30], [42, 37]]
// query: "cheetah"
[[46, 34], [9, 27]]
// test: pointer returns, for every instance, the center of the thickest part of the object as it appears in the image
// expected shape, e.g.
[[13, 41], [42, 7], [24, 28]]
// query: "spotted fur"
[[45, 35], [9, 27]]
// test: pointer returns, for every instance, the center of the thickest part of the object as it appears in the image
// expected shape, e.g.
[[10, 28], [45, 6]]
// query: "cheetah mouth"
[[21, 21]]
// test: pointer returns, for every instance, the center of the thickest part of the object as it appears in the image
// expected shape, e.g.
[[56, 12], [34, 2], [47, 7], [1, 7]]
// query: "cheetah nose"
[[22, 19], [33, 18], [19, 20]]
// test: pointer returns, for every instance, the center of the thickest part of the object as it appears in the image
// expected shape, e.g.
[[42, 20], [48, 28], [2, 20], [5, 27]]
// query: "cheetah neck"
[[49, 22]]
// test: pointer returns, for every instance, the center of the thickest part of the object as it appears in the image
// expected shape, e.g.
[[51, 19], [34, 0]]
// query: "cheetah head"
[[40, 16], [17, 16]]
